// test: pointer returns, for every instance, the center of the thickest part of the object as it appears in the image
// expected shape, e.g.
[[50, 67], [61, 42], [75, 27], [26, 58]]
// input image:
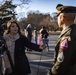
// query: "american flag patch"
[[64, 44]]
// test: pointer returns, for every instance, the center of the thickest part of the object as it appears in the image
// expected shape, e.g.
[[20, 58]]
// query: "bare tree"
[[5, 5], [21, 2], [1, 1]]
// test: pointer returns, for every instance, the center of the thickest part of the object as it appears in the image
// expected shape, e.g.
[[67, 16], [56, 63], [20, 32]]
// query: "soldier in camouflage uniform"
[[65, 50]]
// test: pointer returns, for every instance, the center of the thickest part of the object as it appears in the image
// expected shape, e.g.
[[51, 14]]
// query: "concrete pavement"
[[41, 62]]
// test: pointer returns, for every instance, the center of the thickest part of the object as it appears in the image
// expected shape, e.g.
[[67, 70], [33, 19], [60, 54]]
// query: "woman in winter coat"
[[16, 43]]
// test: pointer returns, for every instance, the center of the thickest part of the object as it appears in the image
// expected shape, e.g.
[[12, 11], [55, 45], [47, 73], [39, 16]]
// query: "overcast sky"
[[44, 6]]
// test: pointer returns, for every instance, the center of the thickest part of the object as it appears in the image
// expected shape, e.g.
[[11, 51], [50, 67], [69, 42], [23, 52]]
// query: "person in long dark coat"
[[29, 31], [16, 43], [65, 50]]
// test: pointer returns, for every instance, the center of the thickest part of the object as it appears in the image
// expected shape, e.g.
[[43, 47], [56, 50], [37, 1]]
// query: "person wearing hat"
[[65, 50]]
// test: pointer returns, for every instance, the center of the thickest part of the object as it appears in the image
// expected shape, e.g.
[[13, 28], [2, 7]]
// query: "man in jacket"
[[65, 50]]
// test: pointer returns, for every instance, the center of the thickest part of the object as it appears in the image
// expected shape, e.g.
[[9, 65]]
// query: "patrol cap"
[[66, 9]]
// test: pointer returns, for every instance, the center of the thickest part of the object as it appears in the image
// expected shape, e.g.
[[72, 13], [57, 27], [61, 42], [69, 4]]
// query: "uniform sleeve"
[[63, 47]]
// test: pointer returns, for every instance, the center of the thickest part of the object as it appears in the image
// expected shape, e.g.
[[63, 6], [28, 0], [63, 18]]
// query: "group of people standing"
[[38, 36], [43, 36]]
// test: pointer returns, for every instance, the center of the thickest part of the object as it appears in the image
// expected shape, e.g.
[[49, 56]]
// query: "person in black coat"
[[44, 32], [29, 31], [16, 43]]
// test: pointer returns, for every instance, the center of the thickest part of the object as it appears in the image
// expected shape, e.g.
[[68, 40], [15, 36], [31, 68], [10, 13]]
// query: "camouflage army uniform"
[[65, 50], [65, 53]]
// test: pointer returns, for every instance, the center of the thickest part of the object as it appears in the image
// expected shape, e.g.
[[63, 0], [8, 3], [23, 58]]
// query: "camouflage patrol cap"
[[66, 9]]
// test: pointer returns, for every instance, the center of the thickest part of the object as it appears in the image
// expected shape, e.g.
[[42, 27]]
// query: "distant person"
[[35, 35], [16, 43], [39, 39], [29, 32], [45, 41], [65, 50], [44, 32]]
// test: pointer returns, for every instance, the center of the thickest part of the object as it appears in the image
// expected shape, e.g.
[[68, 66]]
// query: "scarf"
[[10, 41]]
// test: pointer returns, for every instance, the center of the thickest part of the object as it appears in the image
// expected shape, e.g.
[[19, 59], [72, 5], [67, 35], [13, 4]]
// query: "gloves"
[[49, 72]]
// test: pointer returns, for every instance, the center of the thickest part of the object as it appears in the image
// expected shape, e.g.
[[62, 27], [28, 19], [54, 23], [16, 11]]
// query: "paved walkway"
[[41, 62]]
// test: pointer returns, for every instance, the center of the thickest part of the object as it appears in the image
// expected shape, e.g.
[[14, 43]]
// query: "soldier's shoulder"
[[74, 30]]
